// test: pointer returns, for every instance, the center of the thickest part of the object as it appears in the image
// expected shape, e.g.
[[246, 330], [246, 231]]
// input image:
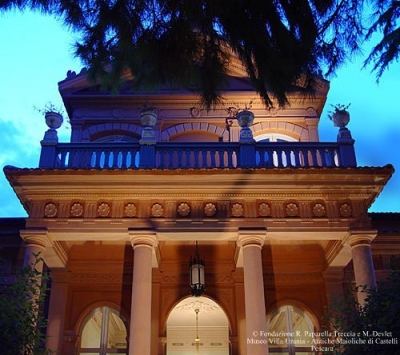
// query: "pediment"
[[78, 86]]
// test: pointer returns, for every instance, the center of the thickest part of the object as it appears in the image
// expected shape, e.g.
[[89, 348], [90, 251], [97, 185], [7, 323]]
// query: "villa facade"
[[279, 220]]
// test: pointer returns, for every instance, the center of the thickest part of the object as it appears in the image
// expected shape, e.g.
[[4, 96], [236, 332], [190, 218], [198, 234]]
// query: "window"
[[104, 333], [290, 332], [274, 137]]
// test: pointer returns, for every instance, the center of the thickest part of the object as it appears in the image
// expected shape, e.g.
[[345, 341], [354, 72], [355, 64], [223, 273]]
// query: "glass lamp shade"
[[197, 277]]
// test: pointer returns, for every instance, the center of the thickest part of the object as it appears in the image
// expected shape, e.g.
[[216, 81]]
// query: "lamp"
[[197, 275]]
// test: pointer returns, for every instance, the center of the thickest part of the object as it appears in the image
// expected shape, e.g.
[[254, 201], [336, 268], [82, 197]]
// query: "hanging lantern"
[[197, 275]]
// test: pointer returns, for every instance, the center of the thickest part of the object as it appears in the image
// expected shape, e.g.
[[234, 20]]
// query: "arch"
[[275, 137], [101, 327], [197, 323], [290, 327], [101, 130], [297, 132], [171, 132], [298, 305]]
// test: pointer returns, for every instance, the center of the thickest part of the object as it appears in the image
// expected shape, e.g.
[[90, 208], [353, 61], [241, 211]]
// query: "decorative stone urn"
[[340, 118], [53, 119], [245, 119], [148, 118]]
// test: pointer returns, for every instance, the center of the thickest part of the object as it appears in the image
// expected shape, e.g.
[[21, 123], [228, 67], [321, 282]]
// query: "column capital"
[[36, 237], [360, 238], [251, 237], [143, 238]]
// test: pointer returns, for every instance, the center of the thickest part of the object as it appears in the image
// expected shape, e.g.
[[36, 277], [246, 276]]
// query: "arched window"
[[103, 333], [115, 138], [274, 137], [290, 332]]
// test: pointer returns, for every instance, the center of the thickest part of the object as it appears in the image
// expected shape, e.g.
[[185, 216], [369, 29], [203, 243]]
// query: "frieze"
[[174, 279], [96, 279], [319, 210], [130, 210], [237, 210], [103, 209], [210, 209], [292, 210], [264, 194], [183, 209], [170, 210], [219, 279], [50, 210], [293, 278]]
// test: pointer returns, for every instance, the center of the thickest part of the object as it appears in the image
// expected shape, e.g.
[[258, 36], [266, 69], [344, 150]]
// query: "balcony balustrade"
[[220, 155]]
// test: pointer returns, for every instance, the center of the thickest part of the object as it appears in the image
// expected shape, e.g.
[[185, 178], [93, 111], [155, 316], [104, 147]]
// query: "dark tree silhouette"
[[387, 14], [189, 43]]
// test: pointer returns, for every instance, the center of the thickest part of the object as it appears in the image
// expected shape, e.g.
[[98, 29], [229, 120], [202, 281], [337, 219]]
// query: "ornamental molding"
[[174, 280], [207, 208], [293, 278], [204, 307], [185, 196], [359, 238], [96, 279], [219, 279]]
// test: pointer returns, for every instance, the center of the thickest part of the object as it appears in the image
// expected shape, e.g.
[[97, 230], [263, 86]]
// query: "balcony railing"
[[196, 155]]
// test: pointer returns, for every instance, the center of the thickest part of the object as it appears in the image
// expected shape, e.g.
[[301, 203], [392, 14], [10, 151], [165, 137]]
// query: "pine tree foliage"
[[189, 43], [387, 15], [21, 319]]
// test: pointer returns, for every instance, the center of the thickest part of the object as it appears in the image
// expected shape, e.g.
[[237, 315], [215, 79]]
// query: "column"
[[36, 241], [143, 244], [364, 271], [251, 243]]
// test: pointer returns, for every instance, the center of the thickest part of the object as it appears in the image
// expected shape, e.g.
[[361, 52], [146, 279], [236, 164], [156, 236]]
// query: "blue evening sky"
[[36, 53]]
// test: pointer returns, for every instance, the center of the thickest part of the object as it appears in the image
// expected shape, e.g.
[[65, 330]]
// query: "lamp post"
[[197, 275]]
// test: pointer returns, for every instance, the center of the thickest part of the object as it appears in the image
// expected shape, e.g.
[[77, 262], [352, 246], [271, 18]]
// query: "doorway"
[[197, 326]]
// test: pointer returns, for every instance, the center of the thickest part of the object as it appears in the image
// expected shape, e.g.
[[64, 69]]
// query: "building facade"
[[148, 179]]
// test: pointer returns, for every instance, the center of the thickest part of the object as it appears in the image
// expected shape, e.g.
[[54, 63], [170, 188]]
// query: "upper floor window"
[[103, 333], [115, 138], [274, 137], [293, 329]]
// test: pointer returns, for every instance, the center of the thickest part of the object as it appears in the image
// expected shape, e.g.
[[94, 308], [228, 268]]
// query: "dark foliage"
[[373, 328], [387, 14], [22, 322], [188, 43]]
